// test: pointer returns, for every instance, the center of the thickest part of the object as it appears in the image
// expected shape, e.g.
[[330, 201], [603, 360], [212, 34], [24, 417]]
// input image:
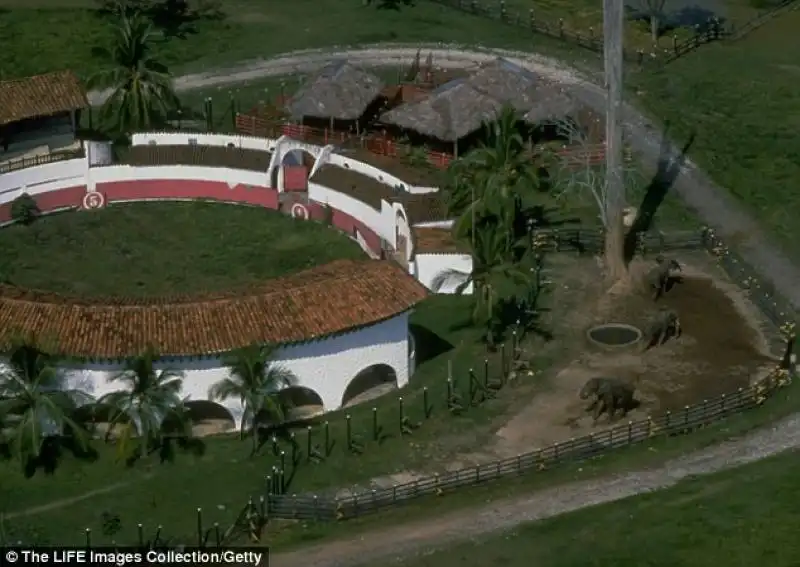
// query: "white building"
[[341, 327]]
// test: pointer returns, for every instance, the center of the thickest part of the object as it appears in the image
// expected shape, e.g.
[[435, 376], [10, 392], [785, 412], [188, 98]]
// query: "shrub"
[[24, 209]]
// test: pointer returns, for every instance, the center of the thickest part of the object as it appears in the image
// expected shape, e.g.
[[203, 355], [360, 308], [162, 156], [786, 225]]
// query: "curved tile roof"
[[338, 297]]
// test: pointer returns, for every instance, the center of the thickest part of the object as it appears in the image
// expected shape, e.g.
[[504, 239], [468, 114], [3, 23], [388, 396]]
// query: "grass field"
[[141, 249], [740, 102], [744, 516], [221, 480], [65, 35]]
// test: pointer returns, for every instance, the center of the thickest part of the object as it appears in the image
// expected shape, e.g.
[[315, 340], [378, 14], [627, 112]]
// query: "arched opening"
[[300, 403], [369, 383], [96, 419], [209, 418], [295, 164]]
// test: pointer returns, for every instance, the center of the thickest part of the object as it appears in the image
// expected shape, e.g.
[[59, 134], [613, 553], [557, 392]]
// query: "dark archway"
[[209, 417], [293, 158], [369, 383], [300, 403]]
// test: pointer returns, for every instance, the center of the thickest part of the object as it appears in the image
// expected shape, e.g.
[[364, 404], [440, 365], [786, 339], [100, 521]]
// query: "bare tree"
[[580, 175], [613, 20]]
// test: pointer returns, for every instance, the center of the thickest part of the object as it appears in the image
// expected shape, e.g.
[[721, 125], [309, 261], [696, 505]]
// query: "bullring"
[[335, 323]]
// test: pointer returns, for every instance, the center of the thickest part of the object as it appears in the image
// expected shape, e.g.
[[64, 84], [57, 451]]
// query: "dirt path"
[[711, 203], [408, 539], [64, 501]]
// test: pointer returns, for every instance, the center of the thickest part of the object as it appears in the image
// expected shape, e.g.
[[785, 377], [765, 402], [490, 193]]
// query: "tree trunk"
[[654, 28], [615, 183]]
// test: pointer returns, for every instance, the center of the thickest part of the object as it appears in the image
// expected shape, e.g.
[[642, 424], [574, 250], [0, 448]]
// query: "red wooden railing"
[[380, 145]]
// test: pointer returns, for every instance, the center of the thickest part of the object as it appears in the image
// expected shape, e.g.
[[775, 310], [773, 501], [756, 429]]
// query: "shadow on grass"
[[52, 453], [427, 343], [667, 171]]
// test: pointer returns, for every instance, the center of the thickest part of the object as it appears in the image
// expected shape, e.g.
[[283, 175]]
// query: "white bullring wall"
[[386, 223], [326, 366], [313, 362]]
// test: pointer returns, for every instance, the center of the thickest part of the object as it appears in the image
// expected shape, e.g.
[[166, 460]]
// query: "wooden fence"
[[591, 40], [25, 162], [326, 508], [250, 125]]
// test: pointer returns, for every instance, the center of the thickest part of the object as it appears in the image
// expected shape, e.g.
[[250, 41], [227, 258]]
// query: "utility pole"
[[613, 20]]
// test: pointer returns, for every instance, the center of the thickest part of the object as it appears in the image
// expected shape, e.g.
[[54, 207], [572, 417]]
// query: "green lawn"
[[141, 249], [745, 516], [65, 36], [740, 100], [221, 480]]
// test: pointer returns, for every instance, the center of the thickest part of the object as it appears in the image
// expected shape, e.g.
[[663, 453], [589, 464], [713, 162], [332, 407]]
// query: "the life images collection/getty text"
[[26, 556]]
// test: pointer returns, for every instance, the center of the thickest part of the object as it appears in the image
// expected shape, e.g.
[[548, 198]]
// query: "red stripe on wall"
[[51, 201], [184, 189]]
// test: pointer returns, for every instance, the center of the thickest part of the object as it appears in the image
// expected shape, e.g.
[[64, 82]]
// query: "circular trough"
[[614, 335]]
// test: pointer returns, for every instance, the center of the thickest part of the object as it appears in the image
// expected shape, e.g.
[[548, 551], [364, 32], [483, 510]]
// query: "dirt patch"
[[722, 348]]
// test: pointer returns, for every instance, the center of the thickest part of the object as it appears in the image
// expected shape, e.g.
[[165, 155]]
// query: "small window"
[[151, 143], [231, 145], [347, 166], [192, 141]]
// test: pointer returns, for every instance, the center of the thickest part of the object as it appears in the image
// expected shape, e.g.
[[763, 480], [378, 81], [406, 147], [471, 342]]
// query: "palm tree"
[[255, 380], [499, 178], [34, 406], [499, 279], [149, 398], [142, 93]]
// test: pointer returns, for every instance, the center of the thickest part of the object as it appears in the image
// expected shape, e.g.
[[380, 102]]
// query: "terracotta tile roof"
[[430, 240], [326, 300], [41, 95]]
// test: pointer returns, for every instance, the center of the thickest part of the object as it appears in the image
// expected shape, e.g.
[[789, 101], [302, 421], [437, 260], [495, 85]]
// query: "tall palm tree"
[[141, 88], [255, 380], [148, 399], [499, 178], [34, 406]]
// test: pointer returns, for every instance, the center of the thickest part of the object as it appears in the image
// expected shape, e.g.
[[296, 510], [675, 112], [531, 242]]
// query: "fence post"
[[561, 27], [316, 507], [485, 372], [425, 402], [308, 444], [686, 417], [327, 438], [88, 533], [630, 432], [503, 13], [722, 404], [200, 526], [675, 44], [519, 464], [531, 21], [374, 424]]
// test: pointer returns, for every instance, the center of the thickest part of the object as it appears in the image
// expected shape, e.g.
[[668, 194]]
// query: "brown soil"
[[722, 348]]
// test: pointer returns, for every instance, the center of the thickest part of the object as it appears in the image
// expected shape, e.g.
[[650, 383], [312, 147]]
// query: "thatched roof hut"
[[450, 112], [507, 82], [338, 91], [551, 104]]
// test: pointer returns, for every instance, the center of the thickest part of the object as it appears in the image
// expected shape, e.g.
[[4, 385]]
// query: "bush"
[[24, 209]]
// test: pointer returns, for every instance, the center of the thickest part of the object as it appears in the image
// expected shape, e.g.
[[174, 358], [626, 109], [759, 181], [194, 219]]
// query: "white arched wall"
[[61, 184], [326, 366]]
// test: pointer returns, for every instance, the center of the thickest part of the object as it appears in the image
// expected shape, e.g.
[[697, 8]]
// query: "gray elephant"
[[610, 395]]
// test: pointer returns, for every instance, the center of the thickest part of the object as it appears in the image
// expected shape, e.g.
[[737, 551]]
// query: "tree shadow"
[[393, 5], [427, 344], [173, 18], [52, 454], [668, 169]]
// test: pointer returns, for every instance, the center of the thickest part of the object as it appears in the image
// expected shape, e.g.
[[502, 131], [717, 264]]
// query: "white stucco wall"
[[428, 266], [326, 366], [386, 223]]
